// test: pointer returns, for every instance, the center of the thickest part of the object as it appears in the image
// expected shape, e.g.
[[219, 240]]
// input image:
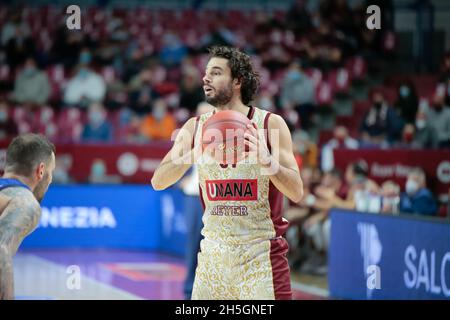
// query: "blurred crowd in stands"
[[134, 75]]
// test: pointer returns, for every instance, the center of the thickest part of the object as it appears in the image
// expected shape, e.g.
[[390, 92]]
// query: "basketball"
[[223, 136]]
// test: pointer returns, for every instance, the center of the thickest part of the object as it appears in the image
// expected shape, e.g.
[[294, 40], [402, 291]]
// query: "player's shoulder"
[[276, 121], [22, 195]]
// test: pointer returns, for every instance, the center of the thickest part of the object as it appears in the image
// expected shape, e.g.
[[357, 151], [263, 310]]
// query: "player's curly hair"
[[241, 69]]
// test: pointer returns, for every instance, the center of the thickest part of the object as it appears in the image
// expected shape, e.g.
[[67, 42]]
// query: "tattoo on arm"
[[18, 219]]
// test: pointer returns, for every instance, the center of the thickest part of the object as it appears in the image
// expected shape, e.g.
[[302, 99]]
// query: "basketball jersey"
[[241, 205], [9, 183]]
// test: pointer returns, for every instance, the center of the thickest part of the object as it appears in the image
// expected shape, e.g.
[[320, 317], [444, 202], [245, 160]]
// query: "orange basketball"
[[223, 136]]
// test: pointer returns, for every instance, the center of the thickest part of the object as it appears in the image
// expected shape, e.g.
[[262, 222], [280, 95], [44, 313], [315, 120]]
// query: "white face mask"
[[421, 123], [411, 187]]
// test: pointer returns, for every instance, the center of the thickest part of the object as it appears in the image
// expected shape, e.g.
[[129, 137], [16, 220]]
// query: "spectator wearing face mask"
[[98, 128], [297, 92], [31, 85], [425, 136], [407, 102], [99, 173], [360, 189], [85, 86], [390, 192], [8, 128], [417, 199], [439, 120], [305, 150], [160, 124], [341, 139], [381, 124]]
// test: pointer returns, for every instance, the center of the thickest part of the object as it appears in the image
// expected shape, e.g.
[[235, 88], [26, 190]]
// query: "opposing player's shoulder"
[[22, 196]]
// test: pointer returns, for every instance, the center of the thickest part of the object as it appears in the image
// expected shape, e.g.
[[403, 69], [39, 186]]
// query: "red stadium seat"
[[315, 74], [324, 137], [70, 124], [360, 107], [357, 68], [324, 94], [340, 81]]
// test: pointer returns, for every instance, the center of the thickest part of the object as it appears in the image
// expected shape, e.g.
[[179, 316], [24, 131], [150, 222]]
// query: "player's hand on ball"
[[256, 146]]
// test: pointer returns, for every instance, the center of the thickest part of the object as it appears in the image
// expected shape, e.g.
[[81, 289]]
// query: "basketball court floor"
[[61, 274]]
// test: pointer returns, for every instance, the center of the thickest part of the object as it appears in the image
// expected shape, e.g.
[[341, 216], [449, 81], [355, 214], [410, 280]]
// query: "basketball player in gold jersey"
[[243, 253]]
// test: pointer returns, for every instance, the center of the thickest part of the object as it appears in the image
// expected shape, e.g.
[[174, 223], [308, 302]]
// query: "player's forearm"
[[286, 180], [6, 274], [170, 171]]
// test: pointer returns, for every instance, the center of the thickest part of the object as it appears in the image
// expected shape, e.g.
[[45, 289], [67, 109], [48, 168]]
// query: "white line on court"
[[38, 278]]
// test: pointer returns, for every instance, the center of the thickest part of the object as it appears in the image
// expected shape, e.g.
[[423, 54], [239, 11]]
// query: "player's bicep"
[[285, 149], [20, 217], [183, 139]]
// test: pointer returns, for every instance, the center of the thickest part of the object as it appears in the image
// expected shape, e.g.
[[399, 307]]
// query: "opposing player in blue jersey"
[[30, 161]]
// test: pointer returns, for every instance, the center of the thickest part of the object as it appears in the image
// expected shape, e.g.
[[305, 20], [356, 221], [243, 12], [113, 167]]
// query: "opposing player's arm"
[[178, 160], [18, 219], [286, 175]]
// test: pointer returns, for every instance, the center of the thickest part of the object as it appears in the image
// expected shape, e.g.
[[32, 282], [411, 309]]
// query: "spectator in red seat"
[[297, 214], [407, 102], [425, 136], [341, 139], [141, 92], [160, 124], [86, 86], [317, 225], [439, 120], [417, 199], [360, 187], [8, 128], [390, 192], [173, 50], [445, 69], [298, 18], [220, 35], [31, 86], [297, 92], [17, 42], [98, 128], [305, 150], [407, 137], [381, 125], [191, 90]]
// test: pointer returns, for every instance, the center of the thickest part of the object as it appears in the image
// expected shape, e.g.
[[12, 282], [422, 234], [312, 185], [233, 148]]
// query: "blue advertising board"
[[375, 256], [110, 216]]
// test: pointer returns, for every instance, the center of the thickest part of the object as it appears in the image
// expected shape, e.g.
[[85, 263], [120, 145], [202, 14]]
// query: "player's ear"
[[237, 83], [40, 171]]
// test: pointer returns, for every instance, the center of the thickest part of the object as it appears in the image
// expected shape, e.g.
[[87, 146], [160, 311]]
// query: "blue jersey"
[[8, 183]]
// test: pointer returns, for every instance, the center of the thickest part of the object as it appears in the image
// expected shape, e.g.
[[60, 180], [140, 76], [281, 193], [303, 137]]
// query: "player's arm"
[[178, 160], [18, 219], [280, 164]]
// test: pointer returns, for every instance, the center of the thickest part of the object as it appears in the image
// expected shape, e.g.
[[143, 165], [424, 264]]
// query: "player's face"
[[42, 186], [217, 82]]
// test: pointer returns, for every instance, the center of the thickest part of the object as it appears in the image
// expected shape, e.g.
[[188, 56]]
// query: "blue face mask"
[[29, 71], [3, 116], [85, 58], [96, 118], [294, 75], [98, 169], [158, 114], [404, 91], [83, 72]]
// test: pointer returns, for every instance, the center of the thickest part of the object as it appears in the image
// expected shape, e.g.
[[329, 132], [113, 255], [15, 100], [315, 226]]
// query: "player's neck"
[[234, 105], [24, 180]]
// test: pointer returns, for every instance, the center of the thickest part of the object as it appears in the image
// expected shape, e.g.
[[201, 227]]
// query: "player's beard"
[[41, 188], [222, 97]]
